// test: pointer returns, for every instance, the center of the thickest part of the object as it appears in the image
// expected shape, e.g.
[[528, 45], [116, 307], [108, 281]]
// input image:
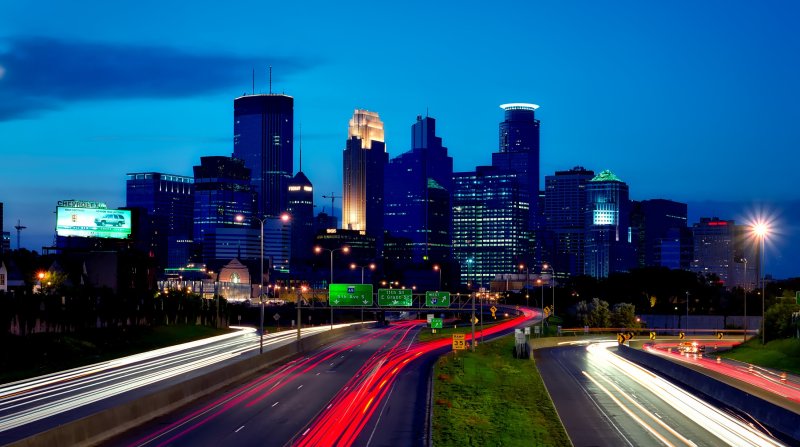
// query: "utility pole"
[[19, 228], [333, 198]]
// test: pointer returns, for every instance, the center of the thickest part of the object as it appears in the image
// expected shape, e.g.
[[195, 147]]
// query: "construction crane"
[[19, 228], [333, 197]]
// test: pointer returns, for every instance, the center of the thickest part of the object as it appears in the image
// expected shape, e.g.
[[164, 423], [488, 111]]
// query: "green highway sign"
[[437, 299], [395, 297], [436, 323], [350, 295]]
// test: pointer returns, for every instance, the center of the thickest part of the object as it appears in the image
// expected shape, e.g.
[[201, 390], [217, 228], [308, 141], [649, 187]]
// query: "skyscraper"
[[564, 220], [1, 230], [489, 221], [301, 209], [608, 233], [164, 220], [418, 184], [519, 152], [263, 128], [364, 160], [714, 247], [223, 192], [660, 234]]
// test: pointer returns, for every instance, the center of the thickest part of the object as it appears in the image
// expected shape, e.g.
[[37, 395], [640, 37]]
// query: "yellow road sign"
[[620, 338], [474, 320], [459, 342], [719, 335], [652, 335], [681, 335]]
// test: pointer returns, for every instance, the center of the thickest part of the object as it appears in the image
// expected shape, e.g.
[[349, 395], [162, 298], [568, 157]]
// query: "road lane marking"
[[276, 403], [237, 430], [301, 386]]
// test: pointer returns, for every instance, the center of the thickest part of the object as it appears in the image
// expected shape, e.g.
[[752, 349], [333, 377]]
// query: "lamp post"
[[370, 266], [546, 266], [687, 311], [437, 268], [344, 249], [472, 320], [527, 280], [761, 230], [744, 290], [541, 284], [240, 218]]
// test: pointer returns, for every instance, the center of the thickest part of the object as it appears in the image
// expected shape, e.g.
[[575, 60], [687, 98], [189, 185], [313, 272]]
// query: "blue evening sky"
[[690, 101]]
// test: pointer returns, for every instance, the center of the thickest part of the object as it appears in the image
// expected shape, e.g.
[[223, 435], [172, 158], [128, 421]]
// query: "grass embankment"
[[778, 354], [489, 398], [38, 354]]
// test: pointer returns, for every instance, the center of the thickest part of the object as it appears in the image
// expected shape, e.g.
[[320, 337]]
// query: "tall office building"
[[2, 230], [490, 215], [223, 192], [165, 204], [418, 184], [609, 245], [364, 160], [301, 209], [661, 236], [263, 128], [564, 217], [714, 241], [519, 152]]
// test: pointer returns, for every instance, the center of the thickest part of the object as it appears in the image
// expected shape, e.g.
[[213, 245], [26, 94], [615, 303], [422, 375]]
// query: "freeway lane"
[[368, 389], [35, 405], [274, 408], [604, 400]]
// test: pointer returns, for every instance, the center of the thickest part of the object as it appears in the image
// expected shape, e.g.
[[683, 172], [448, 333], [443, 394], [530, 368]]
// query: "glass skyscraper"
[[519, 152], [223, 192], [489, 221], [263, 127], [564, 215], [418, 184], [164, 220], [301, 209]]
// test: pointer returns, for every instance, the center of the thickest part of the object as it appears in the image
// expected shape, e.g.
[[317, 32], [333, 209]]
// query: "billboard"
[[350, 295], [93, 222]]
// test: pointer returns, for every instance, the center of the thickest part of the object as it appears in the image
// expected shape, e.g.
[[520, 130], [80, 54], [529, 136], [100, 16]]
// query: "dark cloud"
[[39, 74]]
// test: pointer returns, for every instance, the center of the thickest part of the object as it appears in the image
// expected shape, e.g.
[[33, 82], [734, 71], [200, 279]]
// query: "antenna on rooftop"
[[300, 141]]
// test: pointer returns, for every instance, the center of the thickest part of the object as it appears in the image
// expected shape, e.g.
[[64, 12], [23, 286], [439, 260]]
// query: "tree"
[[623, 315], [778, 319], [594, 313]]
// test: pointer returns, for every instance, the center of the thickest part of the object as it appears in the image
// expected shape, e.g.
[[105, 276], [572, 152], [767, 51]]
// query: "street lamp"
[[438, 269], [240, 218], [344, 249], [760, 229], [541, 284], [354, 266], [744, 290], [527, 280], [546, 266]]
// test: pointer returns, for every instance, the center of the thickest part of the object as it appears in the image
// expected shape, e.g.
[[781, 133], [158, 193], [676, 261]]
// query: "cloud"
[[39, 74]]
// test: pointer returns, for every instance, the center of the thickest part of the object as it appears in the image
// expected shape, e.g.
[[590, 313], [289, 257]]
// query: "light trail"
[[723, 426], [762, 378], [31, 400], [350, 410]]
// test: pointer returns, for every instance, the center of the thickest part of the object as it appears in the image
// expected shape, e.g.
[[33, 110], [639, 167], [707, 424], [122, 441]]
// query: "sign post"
[[459, 342]]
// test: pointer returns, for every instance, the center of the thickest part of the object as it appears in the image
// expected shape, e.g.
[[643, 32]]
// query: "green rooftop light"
[[606, 176]]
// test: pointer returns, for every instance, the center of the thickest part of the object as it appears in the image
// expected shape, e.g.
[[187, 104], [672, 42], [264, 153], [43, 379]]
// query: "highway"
[[34, 405], [604, 400], [370, 388], [780, 386]]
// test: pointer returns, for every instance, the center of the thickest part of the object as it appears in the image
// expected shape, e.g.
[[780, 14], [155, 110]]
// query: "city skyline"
[[702, 98]]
